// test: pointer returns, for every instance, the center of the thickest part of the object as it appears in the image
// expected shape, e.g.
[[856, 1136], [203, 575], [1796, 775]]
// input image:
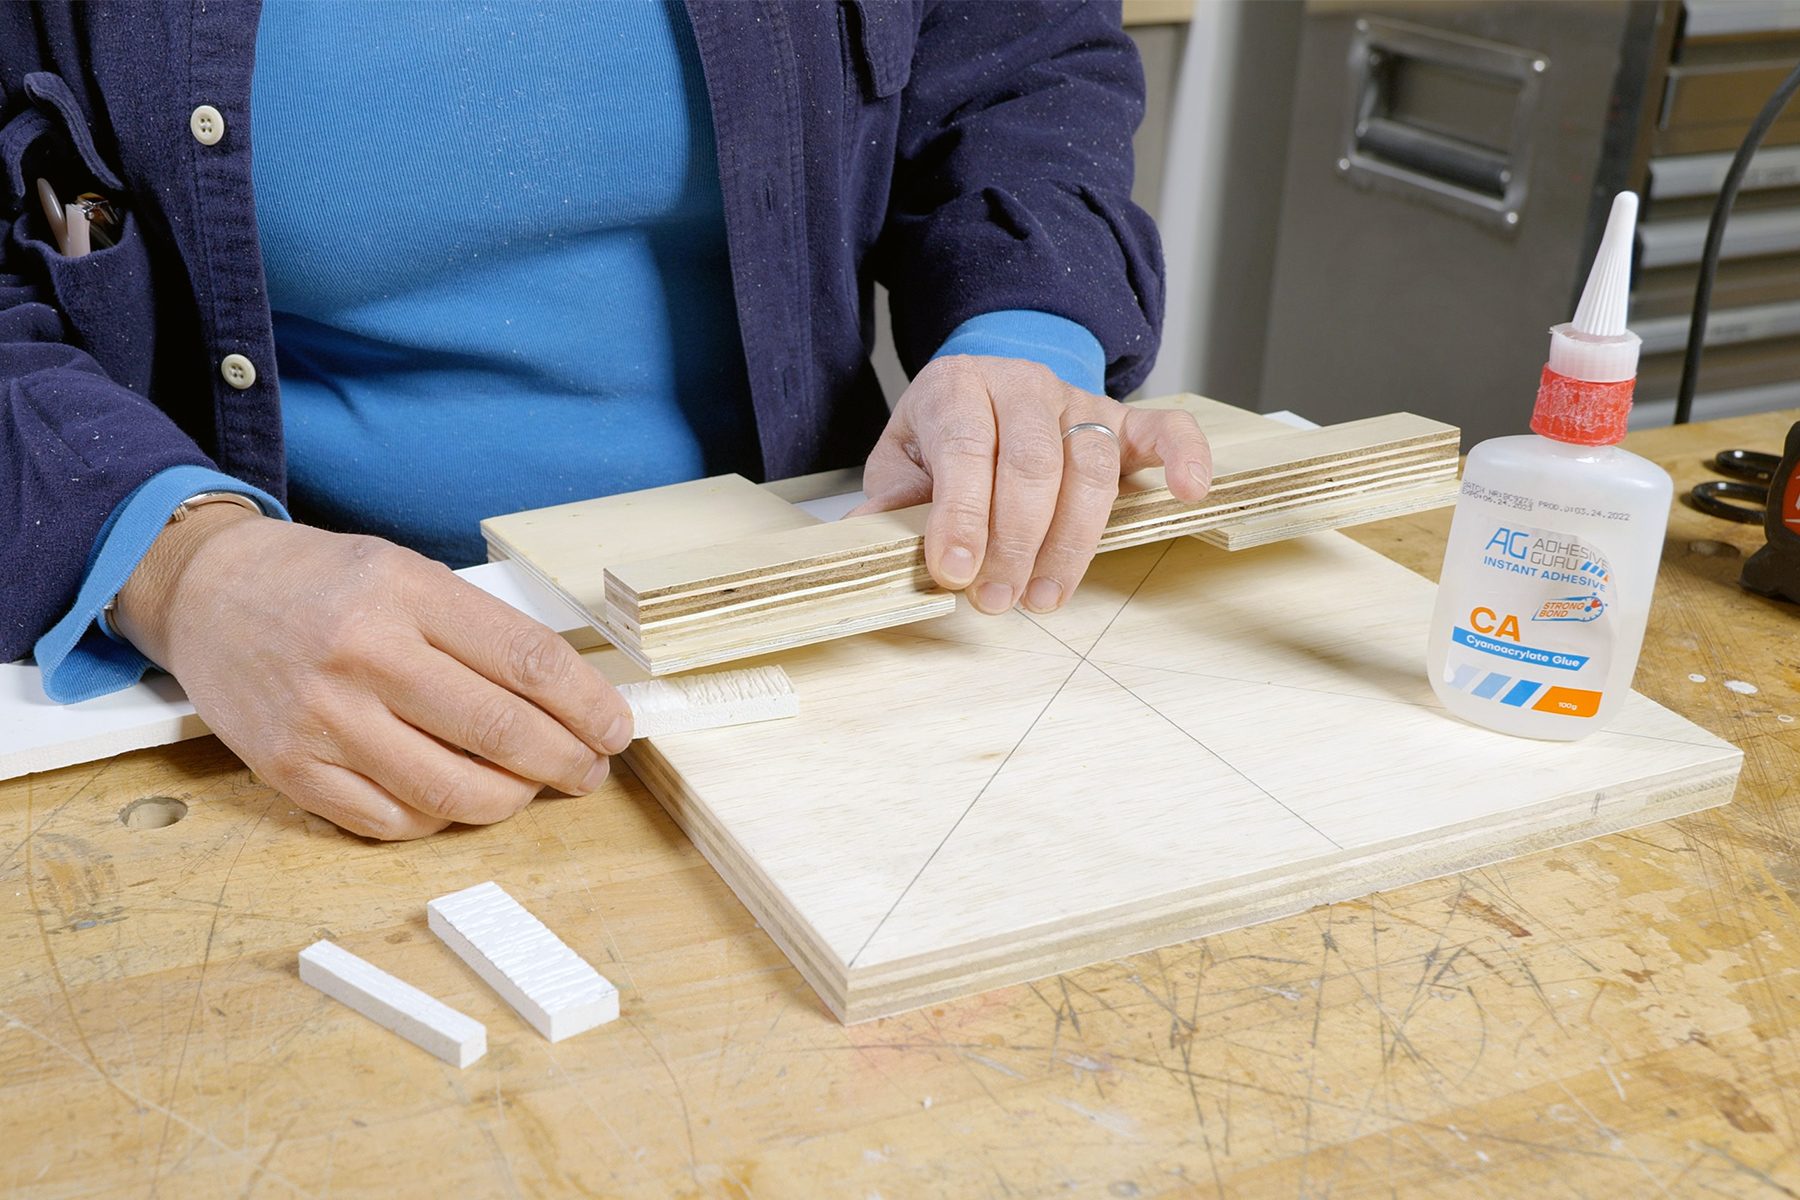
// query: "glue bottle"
[[1554, 547]]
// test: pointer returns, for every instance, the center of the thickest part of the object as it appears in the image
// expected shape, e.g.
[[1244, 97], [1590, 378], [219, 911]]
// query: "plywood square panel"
[[1200, 740]]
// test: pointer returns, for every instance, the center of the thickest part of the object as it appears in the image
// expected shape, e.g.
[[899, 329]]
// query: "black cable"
[[1715, 235]]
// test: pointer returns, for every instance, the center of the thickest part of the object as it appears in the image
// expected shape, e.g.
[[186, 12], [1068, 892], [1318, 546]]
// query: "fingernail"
[[1202, 474], [993, 597], [617, 735], [1043, 595], [595, 777], [958, 566]]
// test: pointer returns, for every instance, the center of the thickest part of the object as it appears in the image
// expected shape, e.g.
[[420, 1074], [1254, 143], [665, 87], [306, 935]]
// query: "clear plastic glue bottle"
[[1554, 547]]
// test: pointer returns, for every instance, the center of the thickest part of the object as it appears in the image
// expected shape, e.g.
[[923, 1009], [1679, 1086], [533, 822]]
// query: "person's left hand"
[[1017, 509]]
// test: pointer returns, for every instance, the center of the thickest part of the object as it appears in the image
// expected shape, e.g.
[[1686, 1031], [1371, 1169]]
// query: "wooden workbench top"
[[1613, 1017]]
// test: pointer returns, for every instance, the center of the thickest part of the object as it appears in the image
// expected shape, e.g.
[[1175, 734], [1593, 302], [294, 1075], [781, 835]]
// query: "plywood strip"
[[826, 581], [1247, 468], [736, 571], [884, 548], [569, 546], [1319, 516], [759, 634]]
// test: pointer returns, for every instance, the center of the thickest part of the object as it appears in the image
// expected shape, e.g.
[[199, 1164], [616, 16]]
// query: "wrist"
[[141, 612]]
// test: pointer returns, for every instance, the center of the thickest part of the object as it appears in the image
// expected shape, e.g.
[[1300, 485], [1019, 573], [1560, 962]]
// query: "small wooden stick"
[[682, 704]]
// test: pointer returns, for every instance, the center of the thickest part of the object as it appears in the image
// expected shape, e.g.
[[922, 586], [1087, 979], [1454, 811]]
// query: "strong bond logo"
[[1571, 608]]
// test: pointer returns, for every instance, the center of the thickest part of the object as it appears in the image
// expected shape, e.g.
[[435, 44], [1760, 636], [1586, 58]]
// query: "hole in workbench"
[[152, 812]]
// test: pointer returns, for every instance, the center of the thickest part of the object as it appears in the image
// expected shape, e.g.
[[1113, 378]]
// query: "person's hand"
[[1017, 509], [353, 675]]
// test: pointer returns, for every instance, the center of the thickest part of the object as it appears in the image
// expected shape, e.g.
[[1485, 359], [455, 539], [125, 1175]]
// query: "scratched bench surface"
[[1615, 1015]]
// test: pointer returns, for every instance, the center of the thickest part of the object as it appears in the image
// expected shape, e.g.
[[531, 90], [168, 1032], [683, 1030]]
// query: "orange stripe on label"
[[1569, 702]]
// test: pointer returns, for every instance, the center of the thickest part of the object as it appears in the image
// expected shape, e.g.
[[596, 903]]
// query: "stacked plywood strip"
[[696, 574], [800, 584], [1198, 740]]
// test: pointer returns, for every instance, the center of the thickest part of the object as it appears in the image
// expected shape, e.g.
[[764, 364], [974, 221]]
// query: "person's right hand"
[[353, 675]]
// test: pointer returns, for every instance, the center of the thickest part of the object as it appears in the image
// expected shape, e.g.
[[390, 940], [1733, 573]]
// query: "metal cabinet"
[[1449, 170]]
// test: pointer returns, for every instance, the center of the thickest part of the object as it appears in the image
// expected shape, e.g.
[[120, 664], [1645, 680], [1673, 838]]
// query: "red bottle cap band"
[[1575, 410]]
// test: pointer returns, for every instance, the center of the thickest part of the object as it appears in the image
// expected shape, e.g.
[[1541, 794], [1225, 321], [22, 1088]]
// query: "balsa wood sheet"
[[1199, 741]]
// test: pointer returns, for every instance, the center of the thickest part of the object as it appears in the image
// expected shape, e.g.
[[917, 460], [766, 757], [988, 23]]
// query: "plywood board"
[[1200, 740], [792, 586]]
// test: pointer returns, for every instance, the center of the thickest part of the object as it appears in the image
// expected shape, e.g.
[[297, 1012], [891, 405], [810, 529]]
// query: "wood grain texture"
[[1610, 1018], [1198, 741]]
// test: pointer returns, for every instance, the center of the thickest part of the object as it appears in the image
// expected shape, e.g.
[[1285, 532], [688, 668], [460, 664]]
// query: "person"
[[492, 257]]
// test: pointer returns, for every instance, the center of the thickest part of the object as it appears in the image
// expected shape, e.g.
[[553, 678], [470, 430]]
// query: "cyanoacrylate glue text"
[[1554, 547]]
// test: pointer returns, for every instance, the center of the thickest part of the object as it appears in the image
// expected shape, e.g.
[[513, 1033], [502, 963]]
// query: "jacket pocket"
[[880, 41], [100, 294]]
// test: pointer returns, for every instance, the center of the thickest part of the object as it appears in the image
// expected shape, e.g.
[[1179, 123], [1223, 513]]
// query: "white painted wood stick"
[[685, 703], [549, 985], [394, 1004]]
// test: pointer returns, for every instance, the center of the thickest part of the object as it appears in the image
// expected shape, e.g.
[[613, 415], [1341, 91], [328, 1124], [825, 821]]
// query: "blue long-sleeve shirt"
[[900, 168], [544, 320]]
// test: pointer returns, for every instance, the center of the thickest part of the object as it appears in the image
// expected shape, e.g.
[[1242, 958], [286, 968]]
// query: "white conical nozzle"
[[1601, 312], [1596, 346]]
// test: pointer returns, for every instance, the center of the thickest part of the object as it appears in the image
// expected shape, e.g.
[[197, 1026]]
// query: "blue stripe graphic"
[[1465, 675], [1488, 687], [1530, 655], [1522, 691]]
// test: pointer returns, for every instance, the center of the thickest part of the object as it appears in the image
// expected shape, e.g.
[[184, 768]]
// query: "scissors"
[[1751, 471]]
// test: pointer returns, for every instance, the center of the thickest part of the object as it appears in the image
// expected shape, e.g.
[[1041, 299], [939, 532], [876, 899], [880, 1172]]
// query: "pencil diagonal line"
[[936, 850]]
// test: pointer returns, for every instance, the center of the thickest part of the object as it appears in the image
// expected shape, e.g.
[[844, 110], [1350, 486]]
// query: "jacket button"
[[238, 371], [207, 124]]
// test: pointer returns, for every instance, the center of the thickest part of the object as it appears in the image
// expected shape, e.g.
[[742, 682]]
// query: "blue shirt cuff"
[[1067, 348], [78, 659]]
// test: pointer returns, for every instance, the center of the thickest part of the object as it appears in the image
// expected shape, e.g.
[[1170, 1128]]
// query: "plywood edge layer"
[[821, 969], [769, 635], [1319, 516], [870, 994]]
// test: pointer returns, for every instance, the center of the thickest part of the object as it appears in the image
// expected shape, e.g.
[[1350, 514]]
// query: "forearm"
[[1012, 183]]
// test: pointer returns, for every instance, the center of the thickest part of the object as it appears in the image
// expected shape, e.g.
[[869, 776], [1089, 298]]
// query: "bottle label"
[[1537, 632]]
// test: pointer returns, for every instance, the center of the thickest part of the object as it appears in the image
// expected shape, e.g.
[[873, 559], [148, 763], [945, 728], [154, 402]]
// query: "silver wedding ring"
[[1097, 427]]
